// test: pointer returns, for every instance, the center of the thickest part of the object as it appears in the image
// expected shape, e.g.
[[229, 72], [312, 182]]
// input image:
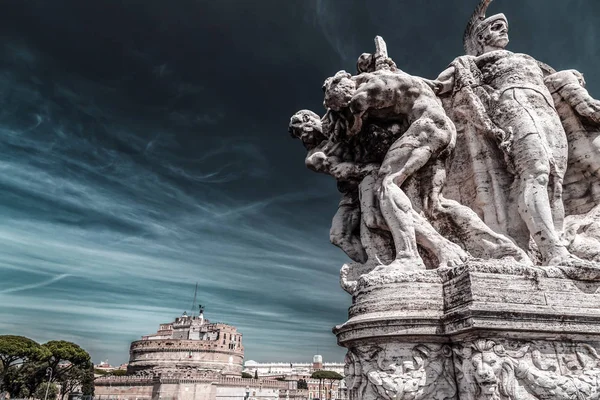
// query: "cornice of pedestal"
[[508, 299]]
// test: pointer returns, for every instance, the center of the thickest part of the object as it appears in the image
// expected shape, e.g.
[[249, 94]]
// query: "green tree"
[[98, 371], [19, 348], [14, 382], [24, 365], [118, 372], [246, 375], [33, 374], [302, 384], [18, 357], [40, 392], [75, 378], [331, 376], [255, 374], [71, 365], [65, 356], [87, 385]]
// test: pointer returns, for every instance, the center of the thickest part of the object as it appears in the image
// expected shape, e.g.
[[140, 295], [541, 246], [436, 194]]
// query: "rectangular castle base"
[[490, 331]]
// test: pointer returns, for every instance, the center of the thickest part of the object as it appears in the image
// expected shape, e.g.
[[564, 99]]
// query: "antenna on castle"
[[194, 302]]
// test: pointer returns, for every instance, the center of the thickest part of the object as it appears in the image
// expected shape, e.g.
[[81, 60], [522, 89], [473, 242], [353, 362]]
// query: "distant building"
[[292, 371], [190, 344], [290, 368], [190, 359], [104, 366]]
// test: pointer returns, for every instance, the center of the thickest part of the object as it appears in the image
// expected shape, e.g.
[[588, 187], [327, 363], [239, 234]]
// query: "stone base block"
[[484, 330]]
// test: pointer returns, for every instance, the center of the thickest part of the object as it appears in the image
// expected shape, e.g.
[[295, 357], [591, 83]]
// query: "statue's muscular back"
[[394, 92]]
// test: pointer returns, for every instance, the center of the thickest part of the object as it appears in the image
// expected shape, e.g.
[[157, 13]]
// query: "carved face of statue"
[[434, 370], [339, 90], [365, 63], [487, 367], [494, 36], [306, 126]]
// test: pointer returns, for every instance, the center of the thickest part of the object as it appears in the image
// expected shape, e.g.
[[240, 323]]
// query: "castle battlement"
[[182, 345]]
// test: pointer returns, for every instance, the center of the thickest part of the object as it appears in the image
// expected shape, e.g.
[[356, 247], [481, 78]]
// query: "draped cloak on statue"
[[478, 174]]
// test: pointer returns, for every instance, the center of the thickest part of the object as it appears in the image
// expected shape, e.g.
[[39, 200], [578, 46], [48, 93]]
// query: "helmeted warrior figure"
[[507, 94]]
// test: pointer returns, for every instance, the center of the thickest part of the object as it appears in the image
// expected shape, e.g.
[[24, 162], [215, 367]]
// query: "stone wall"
[[239, 392], [181, 354], [198, 388], [125, 388], [187, 391]]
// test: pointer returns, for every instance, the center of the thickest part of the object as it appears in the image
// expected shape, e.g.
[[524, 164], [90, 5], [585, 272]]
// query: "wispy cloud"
[[34, 285], [109, 221]]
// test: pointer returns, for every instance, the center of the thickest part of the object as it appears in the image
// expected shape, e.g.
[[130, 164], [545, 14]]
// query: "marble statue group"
[[470, 207], [496, 158]]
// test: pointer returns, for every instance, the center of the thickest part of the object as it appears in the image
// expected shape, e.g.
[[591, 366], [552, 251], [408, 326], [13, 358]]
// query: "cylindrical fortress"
[[189, 345]]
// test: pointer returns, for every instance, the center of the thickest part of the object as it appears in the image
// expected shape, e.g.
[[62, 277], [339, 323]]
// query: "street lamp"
[[49, 375]]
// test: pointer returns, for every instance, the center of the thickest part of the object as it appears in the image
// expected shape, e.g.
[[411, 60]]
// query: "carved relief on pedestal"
[[401, 372], [486, 370], [517, 370]]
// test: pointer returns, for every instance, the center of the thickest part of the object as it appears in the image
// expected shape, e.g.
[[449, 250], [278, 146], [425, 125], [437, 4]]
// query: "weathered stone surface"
[[412, 199], [513, 330], [471, 210], [522, 369], [409, 371]]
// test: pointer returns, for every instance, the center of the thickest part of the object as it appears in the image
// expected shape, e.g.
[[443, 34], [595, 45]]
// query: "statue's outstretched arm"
[[444, 83], [351, 171], [327, 160], [570, 86], [584, 104]]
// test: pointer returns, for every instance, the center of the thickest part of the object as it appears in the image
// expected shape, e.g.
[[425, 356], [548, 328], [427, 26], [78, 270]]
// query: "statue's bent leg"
[[538, 144], [345, 228], [482, 241], [374, 232], [534, 205], [448, 254], [397, 212], [369, 204], [378, 245], [406, 156]]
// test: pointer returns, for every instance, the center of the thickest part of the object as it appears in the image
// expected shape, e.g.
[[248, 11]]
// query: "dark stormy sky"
[[144, 148]]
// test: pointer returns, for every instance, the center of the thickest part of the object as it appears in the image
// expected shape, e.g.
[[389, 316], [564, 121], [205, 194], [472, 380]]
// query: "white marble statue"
[[480, 162], [507, 92]]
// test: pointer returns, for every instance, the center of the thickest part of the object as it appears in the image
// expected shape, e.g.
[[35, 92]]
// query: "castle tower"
[[317, 362], [190, 343]]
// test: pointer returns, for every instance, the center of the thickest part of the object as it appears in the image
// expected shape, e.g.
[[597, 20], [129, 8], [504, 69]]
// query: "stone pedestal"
[[485, 330]]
